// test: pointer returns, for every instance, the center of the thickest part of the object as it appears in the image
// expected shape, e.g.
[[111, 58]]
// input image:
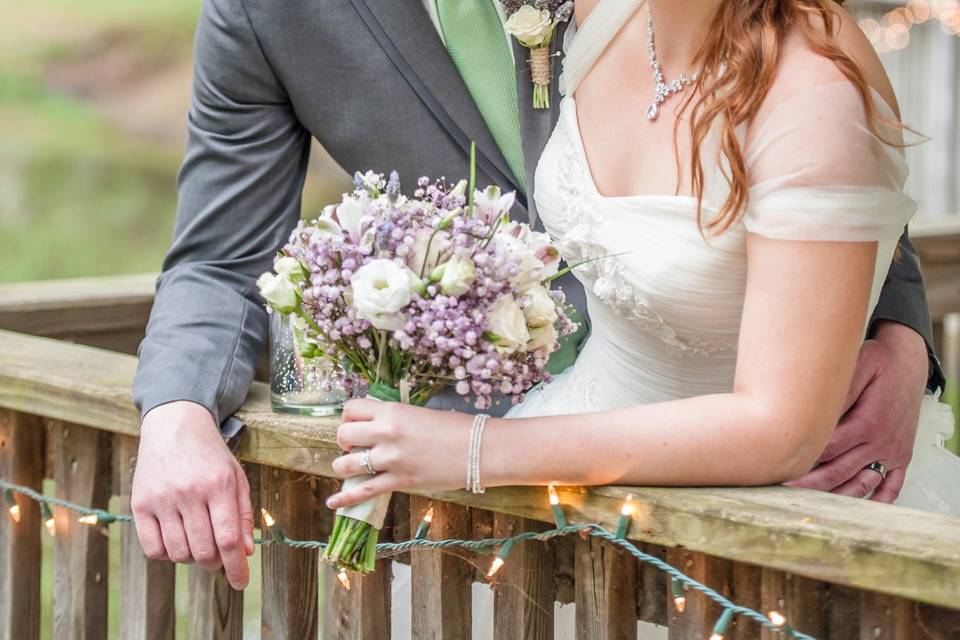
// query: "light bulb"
[[628, 508], [495, 566], [344, 579], [777, 618], [428, 516], [90, 519], [267, 518], [15, 513], [554, 498]]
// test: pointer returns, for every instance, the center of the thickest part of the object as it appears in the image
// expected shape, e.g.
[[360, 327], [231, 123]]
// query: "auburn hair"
[[745, 37]]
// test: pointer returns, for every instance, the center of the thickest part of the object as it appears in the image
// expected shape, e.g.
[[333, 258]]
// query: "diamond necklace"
[[662, 90]]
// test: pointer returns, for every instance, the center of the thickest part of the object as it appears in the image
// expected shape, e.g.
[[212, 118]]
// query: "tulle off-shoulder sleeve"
[[819, 173]]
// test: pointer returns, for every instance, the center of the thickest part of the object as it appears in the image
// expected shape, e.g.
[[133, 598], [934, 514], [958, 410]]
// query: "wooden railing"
[[837, 567]]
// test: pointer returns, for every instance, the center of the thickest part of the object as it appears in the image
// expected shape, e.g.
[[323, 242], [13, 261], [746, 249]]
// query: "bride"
[[751, 198]]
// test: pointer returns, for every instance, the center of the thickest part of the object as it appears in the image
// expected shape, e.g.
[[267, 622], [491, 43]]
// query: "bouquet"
[[414, 295], [534, 24]]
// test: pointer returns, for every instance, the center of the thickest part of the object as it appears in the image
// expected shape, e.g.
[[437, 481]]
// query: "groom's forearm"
[[904, 300]]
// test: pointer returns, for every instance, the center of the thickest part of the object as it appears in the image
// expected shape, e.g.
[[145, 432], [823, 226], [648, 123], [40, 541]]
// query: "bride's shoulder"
[[803, 72]]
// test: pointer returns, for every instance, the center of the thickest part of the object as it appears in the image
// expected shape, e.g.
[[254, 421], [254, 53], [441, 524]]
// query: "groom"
[[382, 84]]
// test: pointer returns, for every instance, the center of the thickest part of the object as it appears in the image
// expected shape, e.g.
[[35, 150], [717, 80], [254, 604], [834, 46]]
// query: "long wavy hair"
[[744, 39]]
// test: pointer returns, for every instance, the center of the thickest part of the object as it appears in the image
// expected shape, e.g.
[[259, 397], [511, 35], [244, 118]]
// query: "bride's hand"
[[409, 447]]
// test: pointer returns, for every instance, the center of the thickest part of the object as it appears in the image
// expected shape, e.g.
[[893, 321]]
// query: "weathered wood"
[[652, 587], [22, 462], [147, 609], [843, 613], [746, 590], [700, 613], [216, 610], [289, 602], [852, 542], [524, 587], [363, 611], [606, 588], [802, 601], [108, 312], [82, 474], [886, 618], [440, 582]]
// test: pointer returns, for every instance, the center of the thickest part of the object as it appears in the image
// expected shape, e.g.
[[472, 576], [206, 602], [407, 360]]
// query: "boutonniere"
[[534, 24]]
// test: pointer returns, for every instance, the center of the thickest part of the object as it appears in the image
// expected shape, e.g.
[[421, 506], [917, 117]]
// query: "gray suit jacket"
[[372, 81]]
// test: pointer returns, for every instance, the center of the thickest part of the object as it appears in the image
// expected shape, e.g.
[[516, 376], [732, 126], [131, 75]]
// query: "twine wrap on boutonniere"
[[534, 24]]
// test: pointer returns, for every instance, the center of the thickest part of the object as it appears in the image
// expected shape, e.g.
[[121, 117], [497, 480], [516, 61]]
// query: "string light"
[[723, 624], [679, 595], [424, 527], [48, 520], [680, 582], [626, 513], [558, 515], [500, 560], [13, 507], [344, 579], [271, 525]]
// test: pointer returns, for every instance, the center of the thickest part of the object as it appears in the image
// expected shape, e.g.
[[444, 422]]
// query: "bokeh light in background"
[[892, 31]]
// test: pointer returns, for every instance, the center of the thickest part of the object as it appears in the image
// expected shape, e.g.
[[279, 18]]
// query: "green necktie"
[[479, 48]]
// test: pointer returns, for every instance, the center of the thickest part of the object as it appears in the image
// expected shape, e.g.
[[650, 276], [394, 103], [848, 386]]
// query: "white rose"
[[540, 309], [458, 274], [529, 267], [544, 337], [279, 292], [380, 289], [507, 325], [419, 253], [351, 217], [289, 267], [530, 26]]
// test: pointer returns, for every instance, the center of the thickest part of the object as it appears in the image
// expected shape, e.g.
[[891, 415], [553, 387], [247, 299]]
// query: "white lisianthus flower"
[[290, 267], [326, 227], [458, 274], [418, 255], [544, 337], [530, 26], [540, 309], [352, 219], [507, 325], [381, 288], [459, 189], [279, 292], [490, 204]]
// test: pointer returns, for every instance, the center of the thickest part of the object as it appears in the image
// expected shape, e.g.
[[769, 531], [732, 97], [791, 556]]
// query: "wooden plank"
[[652, 588], [82, 474], [21, 462], [886, 618], [216, 610], [523, 588], [700, 613], [147, 610], [802, 601], [606, 588], [440, 582], [363, 611], [746, 590], [843, 613], [852, 542], [289, 602]]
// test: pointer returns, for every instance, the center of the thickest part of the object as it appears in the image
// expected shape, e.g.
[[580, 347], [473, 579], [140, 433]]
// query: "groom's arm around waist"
[[904, 300], [238, 199]]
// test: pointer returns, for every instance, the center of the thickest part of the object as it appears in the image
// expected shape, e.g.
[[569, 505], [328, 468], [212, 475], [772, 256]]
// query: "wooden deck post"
[[216, 610], [700, 613], [22, 460], [440, 582], [524, 596], [801, 600], [147, 586], [289, 603], [82, 474], [886, 618], [606, 591]]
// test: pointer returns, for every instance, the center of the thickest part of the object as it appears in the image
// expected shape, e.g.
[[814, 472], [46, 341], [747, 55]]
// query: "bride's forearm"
[[723, 439]]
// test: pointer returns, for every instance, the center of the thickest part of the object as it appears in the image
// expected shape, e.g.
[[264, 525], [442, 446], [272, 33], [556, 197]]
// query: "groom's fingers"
[[174, 538], [889, 489], [836, 472], [245, 509], [852, 431], [380, 483], [196, 524], [228, 534], [860, 485]]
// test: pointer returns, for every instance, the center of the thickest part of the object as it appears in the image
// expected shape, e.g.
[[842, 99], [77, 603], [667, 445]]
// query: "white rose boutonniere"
[[534, 23]]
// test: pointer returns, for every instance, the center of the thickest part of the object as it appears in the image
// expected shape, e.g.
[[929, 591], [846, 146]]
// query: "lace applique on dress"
[[605, 274]]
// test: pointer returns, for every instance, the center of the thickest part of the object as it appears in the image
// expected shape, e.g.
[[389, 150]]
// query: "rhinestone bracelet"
[[473, 455]]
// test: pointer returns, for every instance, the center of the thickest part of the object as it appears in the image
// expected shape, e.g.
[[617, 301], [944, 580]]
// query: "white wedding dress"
[[665, 312]]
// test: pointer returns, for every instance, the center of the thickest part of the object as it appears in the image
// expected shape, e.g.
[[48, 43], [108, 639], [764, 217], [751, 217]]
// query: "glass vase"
[[303, 386]]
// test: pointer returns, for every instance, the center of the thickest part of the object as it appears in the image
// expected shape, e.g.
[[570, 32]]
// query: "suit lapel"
[[405, 32], [536, 124]]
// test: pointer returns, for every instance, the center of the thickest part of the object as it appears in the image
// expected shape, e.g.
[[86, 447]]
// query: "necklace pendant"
[[653, 112]]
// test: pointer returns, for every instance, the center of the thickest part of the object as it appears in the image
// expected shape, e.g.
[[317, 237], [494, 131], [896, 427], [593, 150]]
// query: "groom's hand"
[[879, 421], [190, 498]]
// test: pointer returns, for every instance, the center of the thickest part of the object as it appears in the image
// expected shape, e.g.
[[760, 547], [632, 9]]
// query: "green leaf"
[[383, 391]]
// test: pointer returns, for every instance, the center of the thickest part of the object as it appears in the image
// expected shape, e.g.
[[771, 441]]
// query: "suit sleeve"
[[239, 194], [903, 299]]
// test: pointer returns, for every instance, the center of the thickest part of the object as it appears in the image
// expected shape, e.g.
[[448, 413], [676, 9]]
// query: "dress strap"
[[584, 44]]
